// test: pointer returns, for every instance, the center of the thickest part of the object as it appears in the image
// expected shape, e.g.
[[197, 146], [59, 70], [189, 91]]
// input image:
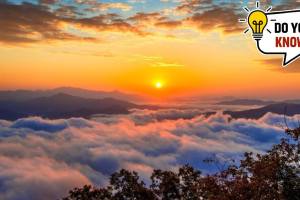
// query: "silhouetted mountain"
[[293, 101], [92, 94], [21, 95], [278, 108], [245, 102], [64, 106]]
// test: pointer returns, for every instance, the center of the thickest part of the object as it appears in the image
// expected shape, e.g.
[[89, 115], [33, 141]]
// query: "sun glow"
[[158, 85]]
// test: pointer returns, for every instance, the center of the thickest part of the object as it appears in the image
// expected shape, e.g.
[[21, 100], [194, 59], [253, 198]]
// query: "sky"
[[188, 47], [157, 48]]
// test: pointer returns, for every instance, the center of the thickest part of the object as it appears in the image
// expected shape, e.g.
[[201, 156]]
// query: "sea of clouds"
[[43, 159]]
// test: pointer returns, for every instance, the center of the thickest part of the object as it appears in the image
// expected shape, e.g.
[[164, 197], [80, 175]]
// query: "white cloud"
[[39, 156]]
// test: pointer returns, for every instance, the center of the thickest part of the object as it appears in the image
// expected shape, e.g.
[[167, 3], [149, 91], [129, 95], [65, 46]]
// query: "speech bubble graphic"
[[275, 32], [282, 35]]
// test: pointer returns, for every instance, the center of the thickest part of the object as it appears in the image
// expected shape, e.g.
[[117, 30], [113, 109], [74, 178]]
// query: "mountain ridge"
[[21, 94], [65, 106], [245, 102], [283, 108]]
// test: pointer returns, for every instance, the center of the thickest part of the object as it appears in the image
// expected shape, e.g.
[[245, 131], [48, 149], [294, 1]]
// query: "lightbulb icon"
[[257, 20]]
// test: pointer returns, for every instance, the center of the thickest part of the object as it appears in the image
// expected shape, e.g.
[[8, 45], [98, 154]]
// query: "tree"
[[274, 175]]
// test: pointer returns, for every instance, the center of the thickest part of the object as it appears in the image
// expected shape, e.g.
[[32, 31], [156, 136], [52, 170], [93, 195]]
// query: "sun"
[[158, 85]]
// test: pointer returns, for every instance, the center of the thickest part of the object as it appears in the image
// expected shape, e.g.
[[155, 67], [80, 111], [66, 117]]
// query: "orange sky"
[[185, 59]]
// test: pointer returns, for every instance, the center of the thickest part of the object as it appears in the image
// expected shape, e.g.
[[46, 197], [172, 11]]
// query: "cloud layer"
[[42, 158], [48, 20], [55, 20]]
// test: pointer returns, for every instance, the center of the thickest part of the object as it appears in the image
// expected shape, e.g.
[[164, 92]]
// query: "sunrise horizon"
[[160, 93], [128, 49]]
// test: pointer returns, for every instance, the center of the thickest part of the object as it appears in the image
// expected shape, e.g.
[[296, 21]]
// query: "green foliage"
[[271, 176]]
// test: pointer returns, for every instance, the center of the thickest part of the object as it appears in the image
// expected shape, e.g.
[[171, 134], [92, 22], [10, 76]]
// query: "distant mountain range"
[[67, 102], [62, 106], [22, 95], [288, 109], [245, 102], [255, 102]]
